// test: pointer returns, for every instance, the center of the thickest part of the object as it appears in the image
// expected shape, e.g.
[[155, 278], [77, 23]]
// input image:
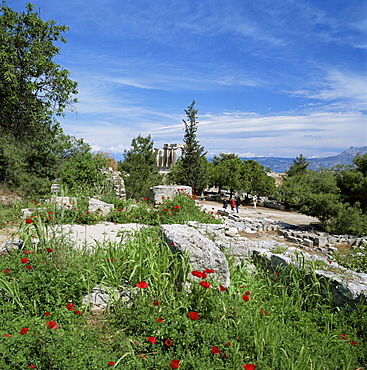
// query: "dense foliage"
[[230, 172], [337, 197], [34, 91]]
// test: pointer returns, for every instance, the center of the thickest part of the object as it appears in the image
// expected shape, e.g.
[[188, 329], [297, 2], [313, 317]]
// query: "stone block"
[[96, 205], [203, 253], [321, 241], [161, 192]]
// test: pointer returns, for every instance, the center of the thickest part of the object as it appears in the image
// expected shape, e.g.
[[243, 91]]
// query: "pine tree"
[[193, 169]]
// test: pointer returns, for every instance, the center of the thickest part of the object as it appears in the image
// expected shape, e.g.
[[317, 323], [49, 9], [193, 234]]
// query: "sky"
[[269, 78]]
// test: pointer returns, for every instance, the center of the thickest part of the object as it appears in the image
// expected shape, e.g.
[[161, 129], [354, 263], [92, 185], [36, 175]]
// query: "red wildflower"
[[222, 288], [168, 342], [193, 315], [47, 314], [204, 284], [263, 311], [28, 221], [209, 271], [245, 297], [26, 252], [24, 260], [152, 339], [5, 271], [247, 293], [142, 285], [31, 366], [6, 335], [159, 320], [215, 350], [198, 274], [77, 312], [51, 325], [249, 367], [155, 303], [49, 250], [110, 363], [166, 210], [24, 331], [353, 343], [50, 213], [28, 267], [174, 364], [70, 307], [228, 344]]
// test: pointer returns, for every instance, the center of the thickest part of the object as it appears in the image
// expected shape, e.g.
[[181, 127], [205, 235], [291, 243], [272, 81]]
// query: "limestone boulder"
[[203, 253]]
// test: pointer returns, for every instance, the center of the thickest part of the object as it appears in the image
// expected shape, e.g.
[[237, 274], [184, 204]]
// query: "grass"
[[279, 321]]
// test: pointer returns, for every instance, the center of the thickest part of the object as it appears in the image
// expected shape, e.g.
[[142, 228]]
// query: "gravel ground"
[[292, 218]]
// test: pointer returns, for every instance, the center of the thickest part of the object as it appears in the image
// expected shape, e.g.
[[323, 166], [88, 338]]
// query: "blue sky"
[[270, 78]]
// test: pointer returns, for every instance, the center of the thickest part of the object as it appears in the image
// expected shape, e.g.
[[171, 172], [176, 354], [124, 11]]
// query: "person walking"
[[254, 199], [238, 203], [233, 204], [225, 203]]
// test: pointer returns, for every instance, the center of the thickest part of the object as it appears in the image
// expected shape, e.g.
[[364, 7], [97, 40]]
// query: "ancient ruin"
[[167, 157]]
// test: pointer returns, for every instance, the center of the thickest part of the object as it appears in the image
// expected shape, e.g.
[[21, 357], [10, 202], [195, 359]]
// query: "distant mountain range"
[[282, 164]]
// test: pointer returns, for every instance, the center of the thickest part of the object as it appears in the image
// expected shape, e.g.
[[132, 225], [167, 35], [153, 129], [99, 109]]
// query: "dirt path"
[[292, 218]]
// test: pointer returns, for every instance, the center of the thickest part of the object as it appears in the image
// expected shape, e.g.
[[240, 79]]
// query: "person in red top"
[[232, 203]]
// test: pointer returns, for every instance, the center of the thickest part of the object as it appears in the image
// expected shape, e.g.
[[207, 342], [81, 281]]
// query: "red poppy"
[[110, 363], [245, 297], [50, 213], [28, 267], [47, 314], [247, 293], [31, 366], [228, 344], [249, 367], [193, 315], [70, 306], [51, 325], [24, 260], [49, 250], [198, 274], [28, 221], [204, 284], [141, 285], [222, 288], [24, 331], [159, 320], [215, 350], [209, 271], [353, 343], [174, 364], [152, 339], [6, 335], [168, 342], [155, 303], [77, 312], [5, 271], [26, 252]]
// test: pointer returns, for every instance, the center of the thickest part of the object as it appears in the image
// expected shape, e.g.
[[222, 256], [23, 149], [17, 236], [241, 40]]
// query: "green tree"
[[299, 166], [139, 169], [193, 169], [255, 180], [227, 172], [80, 167], [34, 90], [32, 86]]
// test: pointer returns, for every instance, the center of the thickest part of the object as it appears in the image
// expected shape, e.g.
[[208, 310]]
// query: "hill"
[[282, 164]]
